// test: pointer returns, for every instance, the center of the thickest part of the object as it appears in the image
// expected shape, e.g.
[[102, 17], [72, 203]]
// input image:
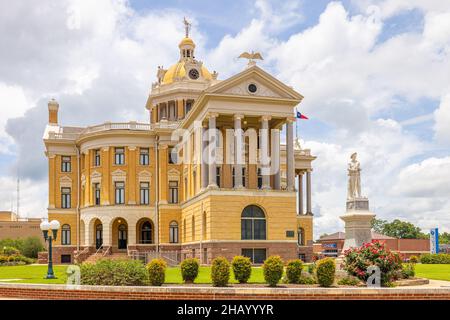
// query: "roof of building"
[[341, 236]]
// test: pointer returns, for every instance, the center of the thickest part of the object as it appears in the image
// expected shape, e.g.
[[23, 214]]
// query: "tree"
[[444, 238], [398, 229]]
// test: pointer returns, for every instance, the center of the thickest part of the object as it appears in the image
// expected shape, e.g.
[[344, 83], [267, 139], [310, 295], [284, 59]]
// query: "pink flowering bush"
[[357, 260]]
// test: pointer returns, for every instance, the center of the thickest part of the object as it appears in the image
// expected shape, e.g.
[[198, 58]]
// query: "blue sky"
[[375, 75]]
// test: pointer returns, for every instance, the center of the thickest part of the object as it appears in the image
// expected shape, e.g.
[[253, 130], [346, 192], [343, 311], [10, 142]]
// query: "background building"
[[118, 189], [13, 227], [331, 245]]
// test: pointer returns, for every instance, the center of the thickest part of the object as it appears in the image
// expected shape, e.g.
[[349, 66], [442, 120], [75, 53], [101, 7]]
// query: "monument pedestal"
[[358, 227]]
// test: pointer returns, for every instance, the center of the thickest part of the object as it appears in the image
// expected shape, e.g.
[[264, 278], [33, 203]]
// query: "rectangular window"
[[173, 191], [97, 194], [66, 258], [257, 256], [96, 158], [65, 198], [218, 176], [233, 181], [120, 192], [119, 156], [65, 164], [188, 106], [145, 187], [65, 236], [144, 157], [260, 179], [243, 177], [173, 232]]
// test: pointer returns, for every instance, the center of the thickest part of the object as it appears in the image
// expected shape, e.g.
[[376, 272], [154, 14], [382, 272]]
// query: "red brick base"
[[62, 292]]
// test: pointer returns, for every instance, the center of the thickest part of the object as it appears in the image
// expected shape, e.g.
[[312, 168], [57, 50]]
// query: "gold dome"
[[186, 41], [178, 71]]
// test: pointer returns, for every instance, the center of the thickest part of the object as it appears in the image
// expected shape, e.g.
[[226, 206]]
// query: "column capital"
[[238, 116], [212, 115], [291, 119], [163, 146], [265, 118]]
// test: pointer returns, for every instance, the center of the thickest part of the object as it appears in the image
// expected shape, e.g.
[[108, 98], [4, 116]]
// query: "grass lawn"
[[173, 275], [36, 274], [433, 271], [32, 274]]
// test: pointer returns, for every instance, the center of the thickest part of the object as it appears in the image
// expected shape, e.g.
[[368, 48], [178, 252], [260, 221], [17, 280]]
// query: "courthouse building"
[[132, 188]]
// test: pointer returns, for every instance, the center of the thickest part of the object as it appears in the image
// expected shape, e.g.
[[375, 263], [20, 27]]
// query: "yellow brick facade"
[[185, 213]]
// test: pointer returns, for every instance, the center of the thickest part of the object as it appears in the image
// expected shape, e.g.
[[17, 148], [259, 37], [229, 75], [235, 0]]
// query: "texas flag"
[[301, 116]]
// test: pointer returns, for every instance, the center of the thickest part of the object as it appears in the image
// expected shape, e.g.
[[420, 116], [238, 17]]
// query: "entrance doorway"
[[122, 243], [98, 236]]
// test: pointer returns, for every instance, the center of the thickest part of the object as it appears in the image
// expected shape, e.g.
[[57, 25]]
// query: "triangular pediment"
[[254, 82], [119, 172]]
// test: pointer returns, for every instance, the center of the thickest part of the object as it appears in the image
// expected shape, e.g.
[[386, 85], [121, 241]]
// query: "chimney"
[[53, 107]]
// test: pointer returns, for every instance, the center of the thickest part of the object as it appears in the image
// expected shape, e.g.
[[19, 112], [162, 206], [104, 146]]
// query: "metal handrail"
[[106, 251]]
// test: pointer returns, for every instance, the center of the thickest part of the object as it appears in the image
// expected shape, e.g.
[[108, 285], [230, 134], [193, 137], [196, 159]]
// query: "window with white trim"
[[66, 164], [120, 192], [65, 198]]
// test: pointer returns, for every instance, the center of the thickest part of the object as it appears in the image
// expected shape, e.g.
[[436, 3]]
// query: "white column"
[[308, 193], [107, 232], [264, 152], [300, 193], [290, 155], [204, 158], [89, 234], [238, 151], [212, 150], [275, 157], [132, 236]]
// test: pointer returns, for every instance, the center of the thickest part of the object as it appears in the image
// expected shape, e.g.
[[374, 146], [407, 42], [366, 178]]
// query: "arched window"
[[301, 237], [253, 223], [173, 232], [65, 234], [146, 233]]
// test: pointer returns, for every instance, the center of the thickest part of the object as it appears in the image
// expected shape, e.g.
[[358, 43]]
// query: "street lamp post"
[[54, 227]]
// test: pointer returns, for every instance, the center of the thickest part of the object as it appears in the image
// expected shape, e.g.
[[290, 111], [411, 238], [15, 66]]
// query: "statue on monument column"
[[354, 178]]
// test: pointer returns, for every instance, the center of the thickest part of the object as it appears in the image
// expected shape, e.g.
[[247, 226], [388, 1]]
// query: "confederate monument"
[[357, 217]]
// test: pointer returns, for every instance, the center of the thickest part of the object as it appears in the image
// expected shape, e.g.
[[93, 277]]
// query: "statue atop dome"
[[187, 27]]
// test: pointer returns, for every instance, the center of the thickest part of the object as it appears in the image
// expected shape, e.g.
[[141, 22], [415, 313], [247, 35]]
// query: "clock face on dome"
[[193, 74]]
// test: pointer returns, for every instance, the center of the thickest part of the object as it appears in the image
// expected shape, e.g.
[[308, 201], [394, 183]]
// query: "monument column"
[[238, 151], [212, 150], [290, 154]]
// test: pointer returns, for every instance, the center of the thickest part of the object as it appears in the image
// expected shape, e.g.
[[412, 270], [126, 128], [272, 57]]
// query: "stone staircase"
[[106, 254]]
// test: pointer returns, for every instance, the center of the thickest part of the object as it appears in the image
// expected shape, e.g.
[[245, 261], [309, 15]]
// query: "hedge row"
[[437, 258], [134, 273]]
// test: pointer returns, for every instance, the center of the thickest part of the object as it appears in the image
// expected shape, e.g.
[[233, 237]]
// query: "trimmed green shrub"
[[14, 260], [273, 270], [436, 258], [114, 273], [294, 270], [306, 280], [156, 272], [242, 268], [220, 272], [325, 272], [189, 269], [31, 247], [413, 259], [408, 270], [311, 268], [10, 251], [349, 281]]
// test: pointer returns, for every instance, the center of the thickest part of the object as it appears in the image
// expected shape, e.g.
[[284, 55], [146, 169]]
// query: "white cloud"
[[100, 68], [429, 178], [442, 118]]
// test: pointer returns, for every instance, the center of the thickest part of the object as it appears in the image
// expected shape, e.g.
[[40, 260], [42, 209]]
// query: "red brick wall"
[[61, 292]]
